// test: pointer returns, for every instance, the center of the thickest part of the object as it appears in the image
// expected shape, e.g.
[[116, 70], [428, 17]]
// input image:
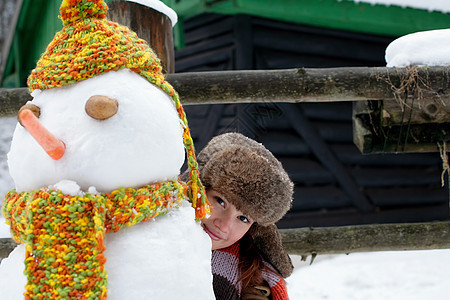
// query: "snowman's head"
[[109, 131], [91, 48]]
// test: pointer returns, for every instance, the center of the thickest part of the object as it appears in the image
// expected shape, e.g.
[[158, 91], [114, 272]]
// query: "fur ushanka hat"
[[253, 180]]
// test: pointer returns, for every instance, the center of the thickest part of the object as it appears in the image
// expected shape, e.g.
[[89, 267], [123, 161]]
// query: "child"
[[249, 191]]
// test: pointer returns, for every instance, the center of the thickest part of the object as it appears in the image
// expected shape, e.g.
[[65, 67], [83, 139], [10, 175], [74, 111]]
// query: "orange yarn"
[[90, 45], [64, 234]]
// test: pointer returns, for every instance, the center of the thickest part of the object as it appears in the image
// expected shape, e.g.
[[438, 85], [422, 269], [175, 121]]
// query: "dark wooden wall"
[[334, 183]]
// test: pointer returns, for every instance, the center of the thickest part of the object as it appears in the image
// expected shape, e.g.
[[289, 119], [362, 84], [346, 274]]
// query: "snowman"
[[98, 207]]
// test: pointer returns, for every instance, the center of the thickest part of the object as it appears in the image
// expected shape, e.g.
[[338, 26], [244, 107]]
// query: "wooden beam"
[[11, 100], [365, 238], [300, 85], [6, 246], [290, 85], [349, 239]]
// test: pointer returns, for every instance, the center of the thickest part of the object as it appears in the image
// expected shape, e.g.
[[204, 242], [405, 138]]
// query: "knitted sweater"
[[226, 273]]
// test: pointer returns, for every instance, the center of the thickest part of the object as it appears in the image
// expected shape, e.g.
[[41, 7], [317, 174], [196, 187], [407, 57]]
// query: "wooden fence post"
[[150, 25]]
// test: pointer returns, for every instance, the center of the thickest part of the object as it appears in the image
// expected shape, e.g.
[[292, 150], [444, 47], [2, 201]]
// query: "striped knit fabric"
[[89, 45], [225, 276], [64, 234]]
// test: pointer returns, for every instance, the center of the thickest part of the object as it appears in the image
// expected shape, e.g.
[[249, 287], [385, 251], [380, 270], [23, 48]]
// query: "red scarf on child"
[[226, 274]]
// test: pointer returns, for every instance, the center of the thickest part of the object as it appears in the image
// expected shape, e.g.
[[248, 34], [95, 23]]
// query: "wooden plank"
[[327, 46], [364, 238], [335, 132], [244, 42], [371, 137], [396, 176], [416, 122], [202, 20], [203, 60], [196, 111], [11, 100], [350, 155], [295, 85], [211, 122], [224, 41], [366, 39], [409, 196], [206, 29], [334, 111], [351, 216], [349, 239], [319, 198], [284, 143], [306, 172], [416, 110], [6, 246], [291, 85]]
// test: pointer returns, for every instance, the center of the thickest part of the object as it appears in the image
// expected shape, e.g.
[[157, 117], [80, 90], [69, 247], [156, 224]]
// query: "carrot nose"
[[54, 147]]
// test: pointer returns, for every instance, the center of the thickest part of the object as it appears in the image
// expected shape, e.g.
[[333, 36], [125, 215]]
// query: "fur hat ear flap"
[[268, 240]]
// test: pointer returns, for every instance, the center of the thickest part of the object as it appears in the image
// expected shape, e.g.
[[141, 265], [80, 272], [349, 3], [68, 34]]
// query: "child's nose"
[[224, 222]]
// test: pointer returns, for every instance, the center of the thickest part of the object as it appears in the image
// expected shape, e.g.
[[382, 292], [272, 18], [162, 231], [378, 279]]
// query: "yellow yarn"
[[64, 234]]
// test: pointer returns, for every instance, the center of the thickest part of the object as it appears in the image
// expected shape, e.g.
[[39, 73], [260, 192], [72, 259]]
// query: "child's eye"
[[244, 219], [220, 201]]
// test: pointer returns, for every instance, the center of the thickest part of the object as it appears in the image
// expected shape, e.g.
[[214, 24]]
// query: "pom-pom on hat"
[[90, 45]]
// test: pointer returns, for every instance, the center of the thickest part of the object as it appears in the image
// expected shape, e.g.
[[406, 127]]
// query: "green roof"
[[36, 24], [336, 14]]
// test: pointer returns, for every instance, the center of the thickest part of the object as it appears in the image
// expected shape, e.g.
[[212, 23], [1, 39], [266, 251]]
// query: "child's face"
[[226, 225]]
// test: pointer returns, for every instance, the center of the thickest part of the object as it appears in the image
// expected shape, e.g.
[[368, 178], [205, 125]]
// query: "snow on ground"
[[402, 275]]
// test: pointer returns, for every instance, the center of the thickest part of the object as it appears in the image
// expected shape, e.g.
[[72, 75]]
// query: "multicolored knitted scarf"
[[89, 45], [64, 234]]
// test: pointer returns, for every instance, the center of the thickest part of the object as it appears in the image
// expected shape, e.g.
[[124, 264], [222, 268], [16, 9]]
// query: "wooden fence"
[[310, 85], [290, 85]]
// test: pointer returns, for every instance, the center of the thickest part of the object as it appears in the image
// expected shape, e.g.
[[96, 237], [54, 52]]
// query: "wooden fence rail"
[[290, 85], [365, 238], [349, 239]]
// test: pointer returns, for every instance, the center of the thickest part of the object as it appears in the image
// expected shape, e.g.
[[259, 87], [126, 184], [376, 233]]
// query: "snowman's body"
[[141, 144]]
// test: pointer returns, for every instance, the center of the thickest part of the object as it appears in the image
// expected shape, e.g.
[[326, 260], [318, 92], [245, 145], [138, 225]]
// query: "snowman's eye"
[[101, 107], [35, 109]]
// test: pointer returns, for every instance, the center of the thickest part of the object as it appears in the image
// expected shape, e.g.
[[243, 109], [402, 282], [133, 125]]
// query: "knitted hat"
[[90, 45], [254, 181]]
